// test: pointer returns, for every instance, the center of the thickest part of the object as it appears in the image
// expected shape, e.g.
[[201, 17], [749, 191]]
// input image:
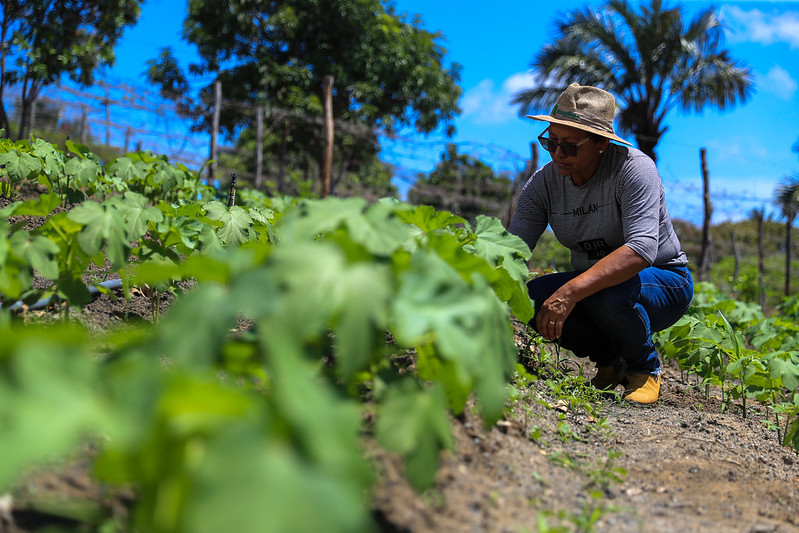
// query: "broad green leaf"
[[379, 230], [428, 219], [42, 205], [52, 159], [102, 224], [786, 371], [414, 423], [19, 166], [500, 248], [236, 223], [80, 150], [38, 251], [362, 295], [136, 213], [310, 218], [48, 397], [83, 170], [248, 483], [126, 169], [209, 314], [467, 323]]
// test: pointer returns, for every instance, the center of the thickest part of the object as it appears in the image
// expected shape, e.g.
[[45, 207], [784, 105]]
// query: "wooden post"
[[281, 169], [761, 292], [259, 145], [231, 196], [215, 129], [327, 156], [84, 126], [107, 104], [704, 255], [789, 249], [736, 252]]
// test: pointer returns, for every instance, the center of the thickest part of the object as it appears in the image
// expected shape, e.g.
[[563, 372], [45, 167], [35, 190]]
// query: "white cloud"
[[764, 28], [779, 81], [485, 103]]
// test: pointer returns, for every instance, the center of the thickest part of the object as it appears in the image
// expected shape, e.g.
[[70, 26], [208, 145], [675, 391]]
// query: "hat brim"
[[550, 118]]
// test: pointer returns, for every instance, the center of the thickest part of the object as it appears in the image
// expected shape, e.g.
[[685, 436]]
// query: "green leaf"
[[209, 314], [52, 159], [236, 223], [467, 323], [786, 371], [126, 169], [38, 251], [84, 171], [249, 483], [20, 166], [42, 205], [501, 248], [414, 423], [310, 218], [136, 213], [428, 219], [75, 290], [379, 230], [102, 224], [48, 397]]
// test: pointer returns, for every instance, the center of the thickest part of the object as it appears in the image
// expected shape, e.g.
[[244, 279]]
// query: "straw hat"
[[586, 108]]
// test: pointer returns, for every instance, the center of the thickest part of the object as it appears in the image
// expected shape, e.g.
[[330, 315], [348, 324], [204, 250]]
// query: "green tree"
[[463, 185], [47, 40], [357, 169], [389, 72], [786, 197], [650, 60]]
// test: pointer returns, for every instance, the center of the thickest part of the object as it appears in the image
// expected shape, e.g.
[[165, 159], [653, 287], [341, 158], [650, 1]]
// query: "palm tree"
[[650, 61], [786, 196]]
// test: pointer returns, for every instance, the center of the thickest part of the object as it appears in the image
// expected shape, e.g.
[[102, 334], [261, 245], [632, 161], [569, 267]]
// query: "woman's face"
[[580, 167]]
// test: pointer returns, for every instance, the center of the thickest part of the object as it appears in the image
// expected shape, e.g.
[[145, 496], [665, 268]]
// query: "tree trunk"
[[281, 170], [4, 122], [647, 146], [84, 124], [736, 252], [259, 145], [704, 256], [327, 156], [215, 129], [107, 104]]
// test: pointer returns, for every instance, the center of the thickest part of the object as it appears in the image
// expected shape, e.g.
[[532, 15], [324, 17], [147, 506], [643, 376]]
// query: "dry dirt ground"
[[682, 465]]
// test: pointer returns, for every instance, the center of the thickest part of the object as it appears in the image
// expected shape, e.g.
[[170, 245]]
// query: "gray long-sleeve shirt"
[[622, 204]]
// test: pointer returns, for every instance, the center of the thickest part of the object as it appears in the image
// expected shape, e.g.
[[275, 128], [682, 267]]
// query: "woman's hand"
[[553, 313], [618, 266]]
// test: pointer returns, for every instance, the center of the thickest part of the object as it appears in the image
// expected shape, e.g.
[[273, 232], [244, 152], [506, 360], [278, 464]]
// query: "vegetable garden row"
[[264, 425]]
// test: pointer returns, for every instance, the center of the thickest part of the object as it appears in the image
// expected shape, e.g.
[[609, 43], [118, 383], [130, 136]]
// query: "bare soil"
[[687, 467]]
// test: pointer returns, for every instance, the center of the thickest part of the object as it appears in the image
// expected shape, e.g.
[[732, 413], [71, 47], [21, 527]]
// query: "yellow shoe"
[[608, 377], [642, 388]]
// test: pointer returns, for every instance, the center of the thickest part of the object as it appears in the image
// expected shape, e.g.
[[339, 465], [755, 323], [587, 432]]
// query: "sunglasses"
[[570, 149]]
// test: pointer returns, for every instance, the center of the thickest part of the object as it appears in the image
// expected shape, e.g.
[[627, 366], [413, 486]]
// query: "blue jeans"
[[617, 322]]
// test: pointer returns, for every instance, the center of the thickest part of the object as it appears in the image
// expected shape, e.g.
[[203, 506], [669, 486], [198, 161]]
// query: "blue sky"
[[749, 147]]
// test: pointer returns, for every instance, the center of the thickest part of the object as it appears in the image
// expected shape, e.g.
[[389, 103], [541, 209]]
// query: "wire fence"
[[133, 116]]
